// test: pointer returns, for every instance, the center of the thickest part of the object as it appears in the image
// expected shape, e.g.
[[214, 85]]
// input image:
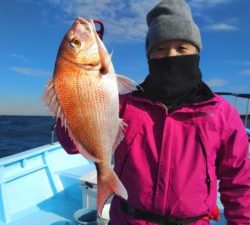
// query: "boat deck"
[[57, 210]]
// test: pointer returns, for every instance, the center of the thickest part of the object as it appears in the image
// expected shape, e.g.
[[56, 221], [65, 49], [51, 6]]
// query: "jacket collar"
[[198, 106]]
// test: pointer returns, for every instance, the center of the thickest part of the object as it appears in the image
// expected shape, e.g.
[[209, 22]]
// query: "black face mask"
[[174, 80]]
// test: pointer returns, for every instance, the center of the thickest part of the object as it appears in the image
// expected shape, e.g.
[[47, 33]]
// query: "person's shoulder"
[[230, 115], [225, 105], [221, 108], [215, 103]]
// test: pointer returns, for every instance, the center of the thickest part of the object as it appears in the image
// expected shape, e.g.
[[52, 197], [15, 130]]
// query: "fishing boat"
[[46, 186]]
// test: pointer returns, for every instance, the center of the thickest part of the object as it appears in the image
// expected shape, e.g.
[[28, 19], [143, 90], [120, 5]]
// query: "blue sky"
[[31, 31]]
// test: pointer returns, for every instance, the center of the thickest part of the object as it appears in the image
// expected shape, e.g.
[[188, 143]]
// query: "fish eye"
[[75, 43]]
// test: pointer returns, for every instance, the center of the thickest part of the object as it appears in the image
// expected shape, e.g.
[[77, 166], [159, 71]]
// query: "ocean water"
[[21, 133]]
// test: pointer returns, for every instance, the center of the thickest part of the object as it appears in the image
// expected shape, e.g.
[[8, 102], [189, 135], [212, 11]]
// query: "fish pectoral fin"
[[51, 100], [120, 134], [108, 186], [125, 84]]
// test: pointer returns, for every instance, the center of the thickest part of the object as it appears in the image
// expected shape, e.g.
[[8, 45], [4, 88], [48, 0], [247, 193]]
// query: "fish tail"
[[107, 186]]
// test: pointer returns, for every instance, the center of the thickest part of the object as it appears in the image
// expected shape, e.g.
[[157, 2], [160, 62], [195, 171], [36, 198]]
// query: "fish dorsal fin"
[[125, 84], [120, 134]]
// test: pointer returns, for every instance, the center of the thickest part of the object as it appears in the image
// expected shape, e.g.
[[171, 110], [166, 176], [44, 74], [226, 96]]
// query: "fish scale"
[[91, 120]]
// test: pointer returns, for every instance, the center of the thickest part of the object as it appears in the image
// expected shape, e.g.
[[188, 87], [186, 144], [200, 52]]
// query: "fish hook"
[[100, 32]]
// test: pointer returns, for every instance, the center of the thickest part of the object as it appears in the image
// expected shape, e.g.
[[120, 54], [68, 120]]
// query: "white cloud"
[[30, 71], [246, 72], [126, 20], [201, 6], [222, 27], [19, 57], [216, 82], [123, 19], [237, 62], [208, 3]]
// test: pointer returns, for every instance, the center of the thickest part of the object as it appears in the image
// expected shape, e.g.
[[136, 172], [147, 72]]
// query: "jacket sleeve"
[[63, 135], [234, 172]]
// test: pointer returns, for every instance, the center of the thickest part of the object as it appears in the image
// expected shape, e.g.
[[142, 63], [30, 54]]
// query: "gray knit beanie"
[[171, 20]]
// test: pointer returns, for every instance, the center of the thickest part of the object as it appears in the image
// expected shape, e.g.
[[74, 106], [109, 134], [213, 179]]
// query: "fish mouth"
[[81, 25], [82, 20], [80, 31]]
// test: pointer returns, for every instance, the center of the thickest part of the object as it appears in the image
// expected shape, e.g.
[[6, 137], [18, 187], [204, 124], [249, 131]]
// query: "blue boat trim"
[[30, 178]]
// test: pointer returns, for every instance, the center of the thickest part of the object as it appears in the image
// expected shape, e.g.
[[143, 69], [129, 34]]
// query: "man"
[[181, 137]]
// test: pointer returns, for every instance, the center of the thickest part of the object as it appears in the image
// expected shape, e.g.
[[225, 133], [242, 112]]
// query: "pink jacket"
[[170, 163]]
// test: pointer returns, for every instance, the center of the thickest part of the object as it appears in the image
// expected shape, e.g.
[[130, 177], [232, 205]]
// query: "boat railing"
[[53, 127], [46, 166], [14, 169], [236, 97]]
